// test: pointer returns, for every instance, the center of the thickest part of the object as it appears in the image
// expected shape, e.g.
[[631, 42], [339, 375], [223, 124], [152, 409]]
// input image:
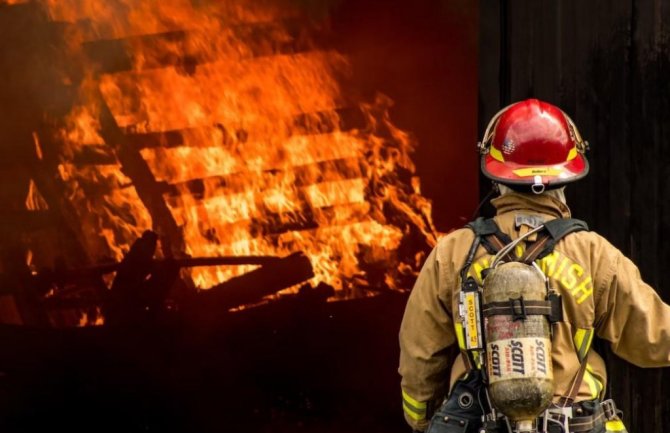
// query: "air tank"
[[518, 348]]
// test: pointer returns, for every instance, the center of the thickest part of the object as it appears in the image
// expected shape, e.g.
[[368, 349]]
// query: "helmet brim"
[[554, 175]]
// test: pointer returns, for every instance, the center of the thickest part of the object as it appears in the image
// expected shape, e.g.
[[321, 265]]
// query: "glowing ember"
[[226, 145]]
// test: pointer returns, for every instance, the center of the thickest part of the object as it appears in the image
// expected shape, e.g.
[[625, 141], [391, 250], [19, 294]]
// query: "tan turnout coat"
[[602, 292]]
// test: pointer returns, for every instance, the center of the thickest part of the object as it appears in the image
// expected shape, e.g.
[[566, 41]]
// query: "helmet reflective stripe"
[[535, 171], [573, 154], [496, 154]]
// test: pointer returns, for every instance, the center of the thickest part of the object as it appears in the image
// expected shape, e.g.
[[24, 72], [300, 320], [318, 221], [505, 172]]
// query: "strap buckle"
[[557, 415], [610, 409], [520, 312]]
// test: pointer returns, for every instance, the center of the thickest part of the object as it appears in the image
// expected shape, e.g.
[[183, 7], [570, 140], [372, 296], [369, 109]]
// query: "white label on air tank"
[[519, 358]]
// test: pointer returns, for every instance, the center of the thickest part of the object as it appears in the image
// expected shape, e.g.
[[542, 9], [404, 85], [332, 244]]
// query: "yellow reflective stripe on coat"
[[413, 408], [595, 386], [582, 340], [615, 425]]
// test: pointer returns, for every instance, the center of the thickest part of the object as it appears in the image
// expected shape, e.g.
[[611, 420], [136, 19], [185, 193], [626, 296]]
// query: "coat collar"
[[542, 203]]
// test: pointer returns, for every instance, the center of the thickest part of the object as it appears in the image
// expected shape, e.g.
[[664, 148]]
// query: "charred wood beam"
[[76, 274], [149, 191], [178, 48], [98, 154], [253, 286], [273, 276]]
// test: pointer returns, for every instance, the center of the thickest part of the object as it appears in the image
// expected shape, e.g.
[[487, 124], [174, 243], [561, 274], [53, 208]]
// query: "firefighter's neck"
[[551, 201]]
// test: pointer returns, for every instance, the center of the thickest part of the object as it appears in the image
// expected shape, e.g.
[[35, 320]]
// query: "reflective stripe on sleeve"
[[595, 386], [413, 408], [582, 340]]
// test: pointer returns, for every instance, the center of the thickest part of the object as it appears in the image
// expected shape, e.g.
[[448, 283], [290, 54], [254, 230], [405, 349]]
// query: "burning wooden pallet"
[[224, 128]]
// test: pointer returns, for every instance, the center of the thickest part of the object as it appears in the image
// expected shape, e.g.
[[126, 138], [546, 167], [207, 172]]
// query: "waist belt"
[[572, 420]]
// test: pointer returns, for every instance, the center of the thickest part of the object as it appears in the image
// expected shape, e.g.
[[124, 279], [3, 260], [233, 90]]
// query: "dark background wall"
[[423, 55], [606, 63]]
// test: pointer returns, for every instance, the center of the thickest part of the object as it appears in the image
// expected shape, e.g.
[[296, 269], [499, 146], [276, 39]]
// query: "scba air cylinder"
[[518, 345]]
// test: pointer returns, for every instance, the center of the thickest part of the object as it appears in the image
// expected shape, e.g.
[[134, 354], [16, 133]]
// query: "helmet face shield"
[[533, 144]]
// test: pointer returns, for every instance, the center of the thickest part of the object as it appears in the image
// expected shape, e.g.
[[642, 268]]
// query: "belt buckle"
[[561, 415], [609, 408]]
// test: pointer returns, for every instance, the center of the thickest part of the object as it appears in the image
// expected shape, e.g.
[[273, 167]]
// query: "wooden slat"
[[299, 176], [268, 224], [303, 124], [227, 91]]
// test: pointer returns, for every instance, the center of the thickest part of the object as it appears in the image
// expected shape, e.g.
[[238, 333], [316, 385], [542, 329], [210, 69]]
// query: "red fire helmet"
[[533, 144]]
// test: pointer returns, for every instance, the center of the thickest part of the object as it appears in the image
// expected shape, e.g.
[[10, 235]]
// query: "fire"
[[244, 146], [34, 200]]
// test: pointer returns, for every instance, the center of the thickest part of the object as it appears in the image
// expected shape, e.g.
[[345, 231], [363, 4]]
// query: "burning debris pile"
[[226, 129]]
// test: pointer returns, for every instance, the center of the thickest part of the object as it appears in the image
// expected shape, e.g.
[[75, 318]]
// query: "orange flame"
[[246, 142], [34, 200]]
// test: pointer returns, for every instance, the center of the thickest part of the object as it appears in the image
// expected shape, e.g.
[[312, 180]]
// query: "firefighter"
[[530, 150]]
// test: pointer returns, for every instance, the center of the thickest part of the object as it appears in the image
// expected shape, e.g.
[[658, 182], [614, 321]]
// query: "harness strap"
[[516, 308], [533, 252], [576, 383], [558, 229], [492, 238], [582, 339], [488, 235], [496, 245]]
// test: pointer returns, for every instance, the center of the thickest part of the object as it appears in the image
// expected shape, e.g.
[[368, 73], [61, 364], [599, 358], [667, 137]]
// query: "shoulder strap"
[[492, 238], [483, 226], [555, 230]]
